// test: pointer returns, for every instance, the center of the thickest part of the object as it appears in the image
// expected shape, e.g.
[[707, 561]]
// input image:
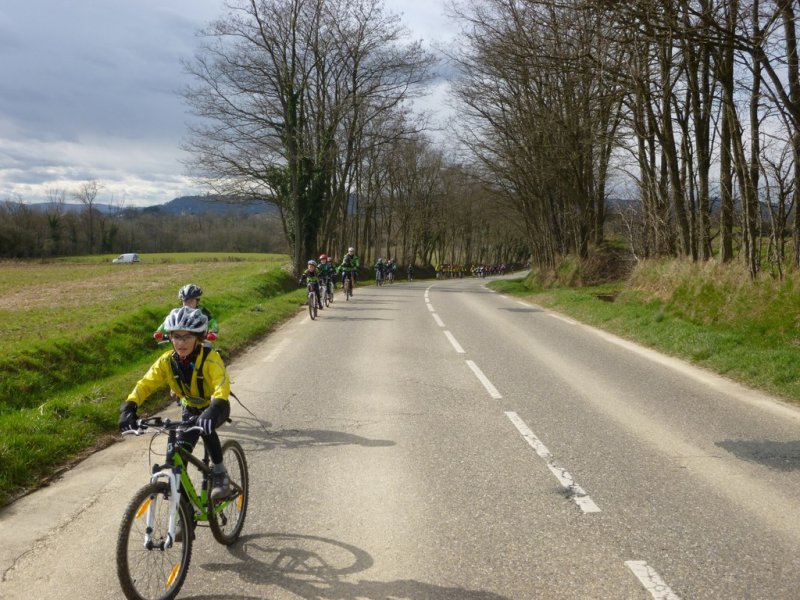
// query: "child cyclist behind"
[[311, 274], [349, 267], [327, 271], [189, 295], [195, 374]]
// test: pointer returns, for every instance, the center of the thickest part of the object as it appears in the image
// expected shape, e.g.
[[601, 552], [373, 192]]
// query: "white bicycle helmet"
[[189, 291], [312, 262], [186, 319]]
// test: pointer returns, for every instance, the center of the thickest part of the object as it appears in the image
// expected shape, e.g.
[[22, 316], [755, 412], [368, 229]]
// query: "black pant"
[[213, 445]]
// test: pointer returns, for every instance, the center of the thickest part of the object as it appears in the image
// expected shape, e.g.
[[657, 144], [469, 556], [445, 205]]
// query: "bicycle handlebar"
[[162, 425]]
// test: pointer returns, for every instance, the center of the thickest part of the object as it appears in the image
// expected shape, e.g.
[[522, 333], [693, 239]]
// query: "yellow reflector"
[[173, 574], [143, 508], [239, 501]]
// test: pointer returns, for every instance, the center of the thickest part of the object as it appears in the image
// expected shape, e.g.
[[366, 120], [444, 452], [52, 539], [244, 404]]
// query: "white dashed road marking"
[[455, 344], [484, 380], [575, 492], [651, 580]]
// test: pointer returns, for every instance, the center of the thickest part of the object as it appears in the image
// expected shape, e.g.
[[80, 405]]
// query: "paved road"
[[437, 441]]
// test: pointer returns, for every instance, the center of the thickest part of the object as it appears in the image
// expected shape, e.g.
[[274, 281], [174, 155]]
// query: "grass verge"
[[710, 315], [46, 421]]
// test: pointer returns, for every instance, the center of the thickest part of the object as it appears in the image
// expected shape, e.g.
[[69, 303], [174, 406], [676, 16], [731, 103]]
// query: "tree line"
[[49, 231], [686, 112], [305, 104], [695, 101]]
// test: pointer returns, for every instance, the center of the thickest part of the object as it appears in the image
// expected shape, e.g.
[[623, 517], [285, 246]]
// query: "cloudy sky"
[[89, 92]]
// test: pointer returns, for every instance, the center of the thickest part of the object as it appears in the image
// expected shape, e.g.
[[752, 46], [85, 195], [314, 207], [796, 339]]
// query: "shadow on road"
[[312, 567], [783, 456], [255, 435]]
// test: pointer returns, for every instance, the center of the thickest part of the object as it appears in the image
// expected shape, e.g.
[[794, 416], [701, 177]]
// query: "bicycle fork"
[[174, 499]]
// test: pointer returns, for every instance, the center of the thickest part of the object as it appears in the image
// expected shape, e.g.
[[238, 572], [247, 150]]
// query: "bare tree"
[[543, 110], [287, 88], [87, 195]]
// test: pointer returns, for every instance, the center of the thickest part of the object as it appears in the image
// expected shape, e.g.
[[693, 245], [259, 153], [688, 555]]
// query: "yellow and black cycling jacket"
[[215, 380]]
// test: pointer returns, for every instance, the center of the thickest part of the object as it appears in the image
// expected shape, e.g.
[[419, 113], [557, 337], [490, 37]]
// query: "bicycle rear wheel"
[[149, 570], [226, 517]]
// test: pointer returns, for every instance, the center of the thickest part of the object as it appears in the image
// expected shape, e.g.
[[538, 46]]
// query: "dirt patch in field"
[[137, 282]]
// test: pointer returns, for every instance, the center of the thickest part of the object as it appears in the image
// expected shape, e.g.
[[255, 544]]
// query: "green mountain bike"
[[154, 544]]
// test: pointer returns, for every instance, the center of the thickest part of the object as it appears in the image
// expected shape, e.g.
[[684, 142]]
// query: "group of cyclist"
[[195, 372], [385, 271], [322, 275], [456, 271]]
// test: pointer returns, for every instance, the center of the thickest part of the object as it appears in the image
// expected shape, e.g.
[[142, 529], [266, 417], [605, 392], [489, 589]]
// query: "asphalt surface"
[[437, 441]]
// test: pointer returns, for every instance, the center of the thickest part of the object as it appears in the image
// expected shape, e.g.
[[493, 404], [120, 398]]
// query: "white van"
[[126, 259]]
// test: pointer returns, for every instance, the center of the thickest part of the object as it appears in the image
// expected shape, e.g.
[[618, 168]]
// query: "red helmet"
[[323, 257]]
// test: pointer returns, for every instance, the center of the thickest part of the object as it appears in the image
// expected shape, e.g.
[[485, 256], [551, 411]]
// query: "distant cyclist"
[[196, 375], [380, 271], [189, 296], [311, 275], [349, 266]]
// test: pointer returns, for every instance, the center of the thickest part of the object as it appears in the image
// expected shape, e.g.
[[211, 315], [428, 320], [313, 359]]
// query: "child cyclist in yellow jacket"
[[196, 374]]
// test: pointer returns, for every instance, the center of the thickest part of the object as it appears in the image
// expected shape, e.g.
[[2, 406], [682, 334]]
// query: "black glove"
[[127, 416], [213, 416]]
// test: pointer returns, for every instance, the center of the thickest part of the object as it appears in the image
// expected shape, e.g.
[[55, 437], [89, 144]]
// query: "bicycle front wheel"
[[312, 305], [226, 516], [146, 568]]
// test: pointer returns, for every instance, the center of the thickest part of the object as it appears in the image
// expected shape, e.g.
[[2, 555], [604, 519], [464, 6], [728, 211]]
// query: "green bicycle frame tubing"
[[199, 501]]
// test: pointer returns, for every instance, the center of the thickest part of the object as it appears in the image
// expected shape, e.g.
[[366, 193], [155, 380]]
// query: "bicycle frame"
[[177, 475]]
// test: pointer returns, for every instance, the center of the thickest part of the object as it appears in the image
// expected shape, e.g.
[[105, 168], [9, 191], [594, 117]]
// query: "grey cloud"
[[89, 90]]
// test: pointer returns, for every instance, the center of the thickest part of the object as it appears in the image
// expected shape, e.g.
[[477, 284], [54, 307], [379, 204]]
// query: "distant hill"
[[185, 205], [219, 205]]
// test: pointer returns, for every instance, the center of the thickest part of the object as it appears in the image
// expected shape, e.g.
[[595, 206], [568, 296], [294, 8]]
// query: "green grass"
[[712, 316], [89, 322]]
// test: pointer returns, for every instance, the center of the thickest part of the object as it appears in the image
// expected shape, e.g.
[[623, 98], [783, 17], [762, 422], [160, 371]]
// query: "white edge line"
[[576, 492], [651, 580], [560, 318], [430, 307], [484, 380], [438, 320], [453, 341]]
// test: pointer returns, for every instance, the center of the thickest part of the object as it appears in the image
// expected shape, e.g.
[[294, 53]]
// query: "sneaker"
[[222, 486]]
